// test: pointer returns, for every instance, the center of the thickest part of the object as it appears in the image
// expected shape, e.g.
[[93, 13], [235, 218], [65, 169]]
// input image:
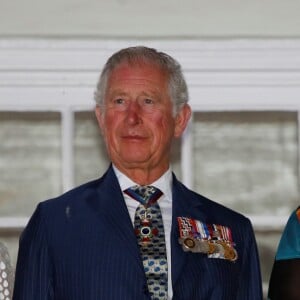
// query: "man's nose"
[[133, 113]]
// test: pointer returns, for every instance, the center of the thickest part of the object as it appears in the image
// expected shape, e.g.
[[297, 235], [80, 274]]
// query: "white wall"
[[156, 18]]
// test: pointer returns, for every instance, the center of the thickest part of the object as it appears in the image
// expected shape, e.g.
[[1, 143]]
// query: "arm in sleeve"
[[33, 279]]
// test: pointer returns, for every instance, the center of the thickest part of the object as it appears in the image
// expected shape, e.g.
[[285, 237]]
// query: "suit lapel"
[[110, 204], [185, 204]]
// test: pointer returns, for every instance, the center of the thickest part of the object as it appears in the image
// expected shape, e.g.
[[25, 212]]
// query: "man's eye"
[[119, 101], [148, 101]]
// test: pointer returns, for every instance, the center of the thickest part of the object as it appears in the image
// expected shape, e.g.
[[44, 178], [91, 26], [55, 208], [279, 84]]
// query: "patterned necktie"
[[149, 230]]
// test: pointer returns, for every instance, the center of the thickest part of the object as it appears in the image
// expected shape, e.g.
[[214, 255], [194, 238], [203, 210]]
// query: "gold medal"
[[211, 248], [189, 243], [230, 254]]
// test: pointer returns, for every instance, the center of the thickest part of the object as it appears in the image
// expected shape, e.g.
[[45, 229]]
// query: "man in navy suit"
[[82, 245]]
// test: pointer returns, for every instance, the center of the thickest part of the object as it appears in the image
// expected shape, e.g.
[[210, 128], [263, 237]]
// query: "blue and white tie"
[[149, 230]]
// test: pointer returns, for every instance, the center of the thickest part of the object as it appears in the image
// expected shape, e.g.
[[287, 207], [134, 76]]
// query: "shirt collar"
[[164, 183]]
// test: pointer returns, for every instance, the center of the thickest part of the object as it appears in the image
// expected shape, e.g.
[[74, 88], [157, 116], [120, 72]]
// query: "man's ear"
[[99, 115], [181, 120]]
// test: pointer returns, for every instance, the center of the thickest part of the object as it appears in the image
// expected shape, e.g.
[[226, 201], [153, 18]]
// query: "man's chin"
[[133, 161]]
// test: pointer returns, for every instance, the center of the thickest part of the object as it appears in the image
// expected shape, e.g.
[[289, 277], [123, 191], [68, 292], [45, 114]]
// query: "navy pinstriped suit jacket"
[[81, 246]]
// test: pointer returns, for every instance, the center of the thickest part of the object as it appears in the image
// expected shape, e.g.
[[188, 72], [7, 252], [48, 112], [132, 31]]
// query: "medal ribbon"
[[199, 230]]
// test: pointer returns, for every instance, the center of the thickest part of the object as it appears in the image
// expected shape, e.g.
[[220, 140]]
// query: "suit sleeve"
[[250, 281], [33, 279]]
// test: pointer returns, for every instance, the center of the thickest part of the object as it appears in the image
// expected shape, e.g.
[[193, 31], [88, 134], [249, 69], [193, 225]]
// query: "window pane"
[[247, 160], [30, 160]]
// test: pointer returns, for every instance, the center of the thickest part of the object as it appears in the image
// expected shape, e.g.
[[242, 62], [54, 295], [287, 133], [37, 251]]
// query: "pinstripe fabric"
[[82, 246]]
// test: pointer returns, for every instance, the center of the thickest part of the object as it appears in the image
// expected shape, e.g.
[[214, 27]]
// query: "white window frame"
[[223, 75]]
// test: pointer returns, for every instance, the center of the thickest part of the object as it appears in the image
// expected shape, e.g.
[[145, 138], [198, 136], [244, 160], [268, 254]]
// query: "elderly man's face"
[[137, 120]]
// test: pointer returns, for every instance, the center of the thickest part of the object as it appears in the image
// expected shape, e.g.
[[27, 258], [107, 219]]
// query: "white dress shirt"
[[164, 183]]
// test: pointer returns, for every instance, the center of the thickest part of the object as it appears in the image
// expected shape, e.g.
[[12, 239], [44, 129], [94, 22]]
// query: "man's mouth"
[[134, 137]]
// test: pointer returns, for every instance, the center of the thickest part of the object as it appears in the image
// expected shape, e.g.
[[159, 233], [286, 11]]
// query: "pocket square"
[[211, 239]]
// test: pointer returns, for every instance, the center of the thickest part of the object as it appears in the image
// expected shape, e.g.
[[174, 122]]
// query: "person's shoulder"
[[289, 245], [75, 201], [293, 220], [214, 208], [224, 211], [76, 194], [297, 214]]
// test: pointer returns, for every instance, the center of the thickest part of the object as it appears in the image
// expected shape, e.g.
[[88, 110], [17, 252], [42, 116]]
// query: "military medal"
[[145, 231], [189, 243], [230, 253], [211, 239]]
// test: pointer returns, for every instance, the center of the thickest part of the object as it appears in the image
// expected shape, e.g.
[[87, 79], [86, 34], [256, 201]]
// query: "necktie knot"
[[145, 194]]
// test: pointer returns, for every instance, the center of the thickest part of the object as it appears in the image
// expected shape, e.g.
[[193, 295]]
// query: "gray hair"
[[138, 55]]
